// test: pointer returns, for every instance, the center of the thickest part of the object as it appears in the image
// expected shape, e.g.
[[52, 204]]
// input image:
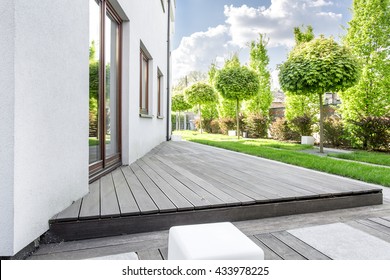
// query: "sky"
[[209, 31]]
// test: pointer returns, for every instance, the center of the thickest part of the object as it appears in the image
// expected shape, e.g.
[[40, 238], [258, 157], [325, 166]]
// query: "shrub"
[[226, 124], [335, 132], [302, 125], [280, 130], [214, 126], [93, 120], [206, 125], [373, 133], [256, 125]]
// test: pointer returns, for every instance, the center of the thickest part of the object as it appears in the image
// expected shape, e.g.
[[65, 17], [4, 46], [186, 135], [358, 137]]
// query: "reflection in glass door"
[[111, 60], [104, 88], [94, 82]]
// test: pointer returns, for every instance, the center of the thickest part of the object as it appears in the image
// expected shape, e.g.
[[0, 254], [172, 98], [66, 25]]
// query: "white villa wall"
[[7, 100], [50, 71], [147, 23], [44, 78]]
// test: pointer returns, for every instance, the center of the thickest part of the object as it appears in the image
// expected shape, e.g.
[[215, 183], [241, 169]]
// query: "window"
[[160, 79], [144, 84]]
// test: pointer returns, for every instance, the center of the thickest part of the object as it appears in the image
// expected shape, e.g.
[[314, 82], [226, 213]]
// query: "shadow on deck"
[[181, 183]]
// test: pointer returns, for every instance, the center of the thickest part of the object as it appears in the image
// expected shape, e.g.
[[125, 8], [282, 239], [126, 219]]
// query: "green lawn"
[[93, 141], [289, 153], [370, 157]]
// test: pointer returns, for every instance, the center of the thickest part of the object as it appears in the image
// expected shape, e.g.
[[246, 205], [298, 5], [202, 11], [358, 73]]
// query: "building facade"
[[84, 89]]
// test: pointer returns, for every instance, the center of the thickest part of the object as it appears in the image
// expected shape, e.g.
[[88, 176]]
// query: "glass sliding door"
[[104, 89], [94, 82], [111, 61]]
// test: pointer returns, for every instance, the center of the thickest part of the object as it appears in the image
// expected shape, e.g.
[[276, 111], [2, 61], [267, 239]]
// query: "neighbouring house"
[[85, 88], [278, 105]]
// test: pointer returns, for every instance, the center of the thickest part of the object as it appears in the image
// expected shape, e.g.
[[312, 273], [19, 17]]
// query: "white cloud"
[[320, 3], [197, 51], [330, 15], [243, 24]]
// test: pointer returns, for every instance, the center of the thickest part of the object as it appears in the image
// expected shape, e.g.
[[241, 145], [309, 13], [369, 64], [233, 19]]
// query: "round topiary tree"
[[179, 104], [200, 94], [317, 67], [237, 83]]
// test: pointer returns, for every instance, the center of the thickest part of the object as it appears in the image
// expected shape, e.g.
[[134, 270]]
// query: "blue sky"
[[209, 31]]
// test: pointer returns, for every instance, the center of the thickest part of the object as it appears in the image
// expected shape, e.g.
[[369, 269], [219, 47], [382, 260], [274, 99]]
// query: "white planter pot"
[[176, 137], [307, 140], [232, 133]]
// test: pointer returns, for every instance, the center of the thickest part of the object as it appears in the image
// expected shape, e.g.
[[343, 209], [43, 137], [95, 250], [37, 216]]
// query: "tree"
[[368, 38], [179, 104], [317, 67], [301, 106], [200, 94], [301, 36], [189, 79], [259, 61], [226, 108], [237, 83]]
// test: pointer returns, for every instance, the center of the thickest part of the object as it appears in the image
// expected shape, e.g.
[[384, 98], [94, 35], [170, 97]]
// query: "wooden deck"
[[277, 245], [186, 183]]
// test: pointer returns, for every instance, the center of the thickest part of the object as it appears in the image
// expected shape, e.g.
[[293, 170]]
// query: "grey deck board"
[[233, 182], [225, 186], [212, 200], [178, 199], [227, 199], [386, 218], [279, 247], [71, 213], [127, 203], [108, 199], [160, 199], [144, 201], [153, 254], [375, 225], [90, 207], [299, 246], [237, 183], [189, 194], [381, 221], [164, 253], [369, 230], [268, 253], [272, 188]]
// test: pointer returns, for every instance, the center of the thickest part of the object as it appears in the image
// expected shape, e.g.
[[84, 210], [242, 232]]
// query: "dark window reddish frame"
[[159, 93], [107, 164], [144, 84]]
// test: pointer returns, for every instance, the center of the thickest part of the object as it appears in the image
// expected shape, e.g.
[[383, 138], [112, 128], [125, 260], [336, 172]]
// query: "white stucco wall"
[[147, 23], [7, 100], [50, 113], [44, 78]]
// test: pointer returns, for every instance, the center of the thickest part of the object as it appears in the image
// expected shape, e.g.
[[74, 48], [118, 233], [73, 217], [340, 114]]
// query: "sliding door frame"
[[108, 163]]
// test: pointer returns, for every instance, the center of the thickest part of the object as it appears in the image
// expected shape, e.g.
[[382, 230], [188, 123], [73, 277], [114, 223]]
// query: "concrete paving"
[[342, 242], [118, 257]]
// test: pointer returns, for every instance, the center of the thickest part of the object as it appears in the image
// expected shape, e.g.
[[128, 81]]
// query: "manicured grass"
[[93, 141], [286, 153], [370, 157]]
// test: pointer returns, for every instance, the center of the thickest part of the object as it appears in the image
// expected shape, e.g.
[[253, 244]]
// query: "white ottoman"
[[219, 241]]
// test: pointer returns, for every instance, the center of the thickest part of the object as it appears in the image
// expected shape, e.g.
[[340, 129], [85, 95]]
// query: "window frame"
[[160, 92], [144, 58], [108, 163]]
